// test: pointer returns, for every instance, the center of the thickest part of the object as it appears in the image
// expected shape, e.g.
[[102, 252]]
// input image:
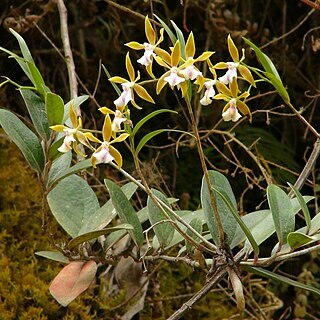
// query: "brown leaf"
[[72, 280]]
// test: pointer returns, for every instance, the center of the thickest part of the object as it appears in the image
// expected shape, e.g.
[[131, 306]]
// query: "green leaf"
[[271, 71], [187, 216], [196, 224], [282, 213], [171, 35], [37, 111], [298, 239], [37, 79], [53, 255], [147, 118], [72, 202], [261, 223], [278, 86], [117, 235], [125, 211], [303, 205], [315, 224], [180, 38], [276, 277], [54, 108], [24, 138], [59, 165], [53, 150], [95, 234], [104, 215], [23, 46], [82, 165], [152, 134], [163, 231], [264, 59], [229, 223], [242, 225], [252, 220]]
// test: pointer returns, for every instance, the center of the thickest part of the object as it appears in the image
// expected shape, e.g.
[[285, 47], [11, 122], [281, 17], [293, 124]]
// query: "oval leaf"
[[36, 109], [163, 231], [228, 221], [72, 280], [95, 234], [54, 108], [282, 213], [125, 211], [298, 239], [53, 255], [72, 202], [24, 138]]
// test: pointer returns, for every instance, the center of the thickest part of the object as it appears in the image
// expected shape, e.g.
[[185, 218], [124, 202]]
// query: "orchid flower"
[[129, 87], [209, 93], [234, 66], [232, 112], [189, 71], [72, 135], [150, 47], [119, 118], [234, 102], [106, 153]]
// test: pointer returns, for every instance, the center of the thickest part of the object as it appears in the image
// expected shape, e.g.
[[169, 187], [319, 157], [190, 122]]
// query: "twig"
[[200, 294], [291, 31], [308, 167], [67, 49]]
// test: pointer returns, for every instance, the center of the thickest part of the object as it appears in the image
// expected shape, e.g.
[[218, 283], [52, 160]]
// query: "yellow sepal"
[[246, 74], [116, 155], [175, 55], [150, 33], [91, 137], [130, 68], [234, 53], [142, 93], [190, 46], [58, 128], [107, 128], [117, 79], [135, 45], [106, 110]]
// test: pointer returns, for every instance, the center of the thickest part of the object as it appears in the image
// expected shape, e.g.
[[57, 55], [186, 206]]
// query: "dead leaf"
[[72, 280]]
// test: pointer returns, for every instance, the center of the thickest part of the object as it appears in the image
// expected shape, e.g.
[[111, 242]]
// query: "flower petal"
[[130, 68], [107, 128], [175, 55], [234, 53], [142, 93], [190, 46], [150, 33], [135, 45]]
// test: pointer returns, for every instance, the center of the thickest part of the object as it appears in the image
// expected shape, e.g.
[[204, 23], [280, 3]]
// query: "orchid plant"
[[205, 237]]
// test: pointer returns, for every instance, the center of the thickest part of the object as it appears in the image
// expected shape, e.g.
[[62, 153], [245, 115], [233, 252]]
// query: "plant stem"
[[206, 174], [209, 247]]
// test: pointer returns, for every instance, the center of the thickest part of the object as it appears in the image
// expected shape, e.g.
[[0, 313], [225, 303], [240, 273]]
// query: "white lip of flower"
[[148, 54], [231, 73], [116, 123], [173, 79], [232, 113], [69, 138], [125, 96], [103, 156], [209, 93], [190, 73]]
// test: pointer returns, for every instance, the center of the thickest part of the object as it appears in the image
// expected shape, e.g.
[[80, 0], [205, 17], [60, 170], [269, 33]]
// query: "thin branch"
[[67, 49]]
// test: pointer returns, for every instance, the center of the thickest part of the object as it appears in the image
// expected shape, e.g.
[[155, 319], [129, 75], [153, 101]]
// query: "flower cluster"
[[181, 72]]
